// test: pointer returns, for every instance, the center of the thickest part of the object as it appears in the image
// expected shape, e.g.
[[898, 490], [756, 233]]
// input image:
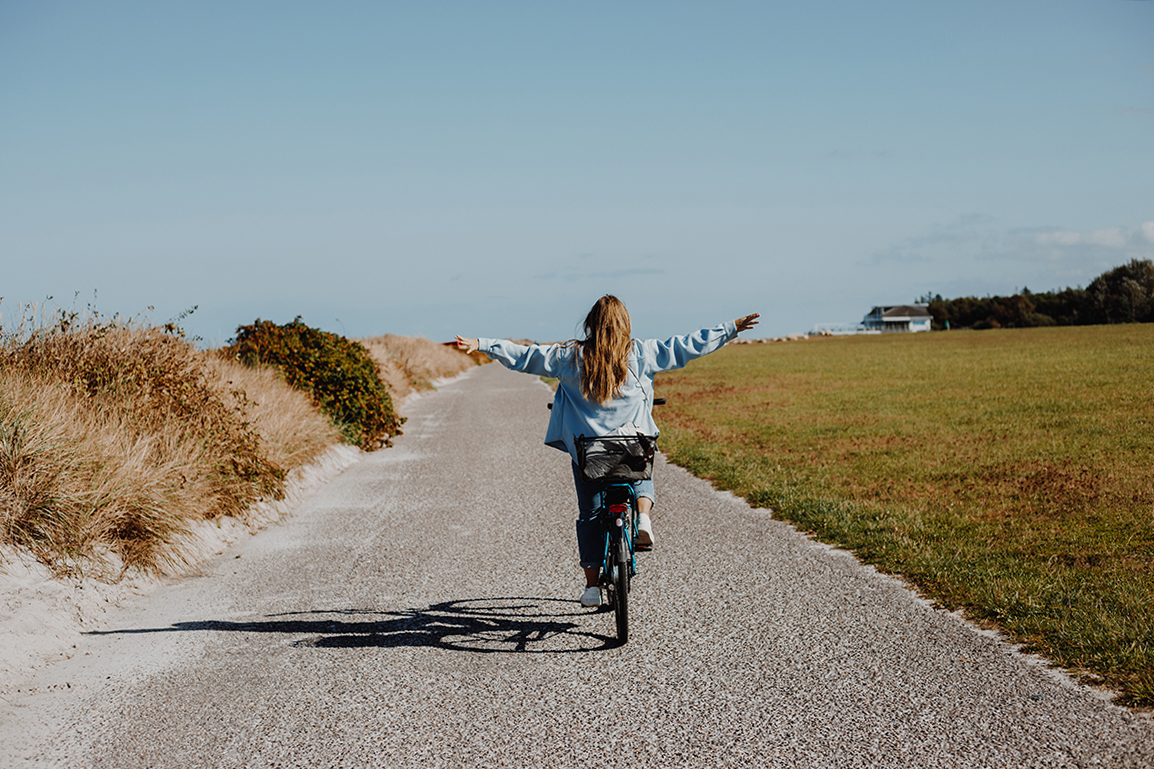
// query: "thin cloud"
[[983, 238], [1135, 243], [1134, 111], [1114, 237]]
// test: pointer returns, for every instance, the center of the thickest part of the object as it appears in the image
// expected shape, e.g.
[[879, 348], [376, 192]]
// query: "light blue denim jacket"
[[574, 416]]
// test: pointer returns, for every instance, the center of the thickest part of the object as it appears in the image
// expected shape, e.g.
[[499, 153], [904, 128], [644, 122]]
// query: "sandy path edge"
[[42, 617]]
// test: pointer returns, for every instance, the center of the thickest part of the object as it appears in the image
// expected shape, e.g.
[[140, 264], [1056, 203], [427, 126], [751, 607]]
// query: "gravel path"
[[420, 610]]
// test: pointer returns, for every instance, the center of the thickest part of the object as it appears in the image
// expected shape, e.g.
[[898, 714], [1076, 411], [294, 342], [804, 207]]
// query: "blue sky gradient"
[[492, 168]]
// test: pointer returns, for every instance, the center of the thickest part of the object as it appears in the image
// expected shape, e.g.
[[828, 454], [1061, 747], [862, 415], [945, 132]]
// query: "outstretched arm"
[[539, 359], [466, 345], [743, 324]]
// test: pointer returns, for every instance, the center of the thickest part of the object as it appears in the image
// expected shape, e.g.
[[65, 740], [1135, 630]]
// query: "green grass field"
[[1008, 473]]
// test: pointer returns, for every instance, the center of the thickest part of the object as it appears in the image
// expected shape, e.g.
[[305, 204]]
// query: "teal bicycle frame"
[[618, 513]]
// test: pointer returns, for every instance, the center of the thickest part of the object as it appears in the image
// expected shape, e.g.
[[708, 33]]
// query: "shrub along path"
[[421, 610]]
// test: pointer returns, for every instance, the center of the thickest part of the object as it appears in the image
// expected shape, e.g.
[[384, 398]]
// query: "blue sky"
[[492, 168]]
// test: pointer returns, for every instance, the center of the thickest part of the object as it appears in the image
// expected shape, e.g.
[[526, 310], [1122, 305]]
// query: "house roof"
[[902, 311]]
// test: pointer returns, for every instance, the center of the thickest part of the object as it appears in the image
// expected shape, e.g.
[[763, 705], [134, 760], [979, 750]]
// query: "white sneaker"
[[591, 596], [644, 531]]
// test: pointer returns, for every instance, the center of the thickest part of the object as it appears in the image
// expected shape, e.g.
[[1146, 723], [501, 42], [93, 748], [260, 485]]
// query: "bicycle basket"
[[616, 457]]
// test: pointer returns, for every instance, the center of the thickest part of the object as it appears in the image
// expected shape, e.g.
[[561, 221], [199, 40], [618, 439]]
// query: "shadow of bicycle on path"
[[516, 625]]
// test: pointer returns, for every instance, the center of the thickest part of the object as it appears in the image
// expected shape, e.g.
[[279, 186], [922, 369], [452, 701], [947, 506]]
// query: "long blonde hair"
[[605, 350]]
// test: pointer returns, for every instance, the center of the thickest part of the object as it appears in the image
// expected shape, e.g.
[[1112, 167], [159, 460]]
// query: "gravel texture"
[[421, 610]]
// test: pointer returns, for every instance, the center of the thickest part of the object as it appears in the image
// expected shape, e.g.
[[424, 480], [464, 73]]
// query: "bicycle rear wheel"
[[620, 581]]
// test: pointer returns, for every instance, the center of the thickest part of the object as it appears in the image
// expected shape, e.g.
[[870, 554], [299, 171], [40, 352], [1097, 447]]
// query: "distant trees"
[[1122, 295]]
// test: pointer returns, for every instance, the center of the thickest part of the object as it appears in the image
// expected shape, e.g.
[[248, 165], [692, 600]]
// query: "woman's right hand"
[[466, 345]]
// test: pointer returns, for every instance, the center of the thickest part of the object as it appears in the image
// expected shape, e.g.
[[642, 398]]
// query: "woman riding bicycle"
[[605, 386]]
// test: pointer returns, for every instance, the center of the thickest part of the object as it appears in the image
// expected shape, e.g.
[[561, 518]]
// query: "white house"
[[902, 317]]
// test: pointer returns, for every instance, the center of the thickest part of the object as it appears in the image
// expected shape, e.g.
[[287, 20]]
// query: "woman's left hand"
[[745, 323]]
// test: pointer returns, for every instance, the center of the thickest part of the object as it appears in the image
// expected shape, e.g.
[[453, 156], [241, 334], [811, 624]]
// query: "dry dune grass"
[[110, 439], [157, 383], [293, 431], [80, 483], [410, 364], [114, 438]]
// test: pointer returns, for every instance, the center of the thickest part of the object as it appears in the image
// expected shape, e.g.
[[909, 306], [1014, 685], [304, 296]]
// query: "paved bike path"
[[421, 610]]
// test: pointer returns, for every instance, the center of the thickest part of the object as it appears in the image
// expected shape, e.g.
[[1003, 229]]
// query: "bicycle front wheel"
[[621, 559]]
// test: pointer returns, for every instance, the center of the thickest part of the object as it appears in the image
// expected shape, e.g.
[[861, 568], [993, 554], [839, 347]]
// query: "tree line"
[[1122, 295]]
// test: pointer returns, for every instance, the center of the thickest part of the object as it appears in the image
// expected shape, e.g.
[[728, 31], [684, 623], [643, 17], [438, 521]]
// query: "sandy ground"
[[41, 618]]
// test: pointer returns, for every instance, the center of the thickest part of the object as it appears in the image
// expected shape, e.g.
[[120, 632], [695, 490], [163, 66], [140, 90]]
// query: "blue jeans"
[[590, 532]]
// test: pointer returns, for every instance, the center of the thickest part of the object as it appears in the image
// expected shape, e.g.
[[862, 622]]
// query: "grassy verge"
[[1009, 473]]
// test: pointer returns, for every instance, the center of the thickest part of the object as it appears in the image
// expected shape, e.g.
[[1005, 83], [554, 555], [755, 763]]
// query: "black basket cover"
[[616, 457]]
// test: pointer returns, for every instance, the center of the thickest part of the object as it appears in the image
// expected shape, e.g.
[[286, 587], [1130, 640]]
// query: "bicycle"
[[619, 564], [618, 461]]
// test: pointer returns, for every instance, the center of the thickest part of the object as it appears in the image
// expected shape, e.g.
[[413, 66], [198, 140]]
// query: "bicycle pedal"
[[639, 548]]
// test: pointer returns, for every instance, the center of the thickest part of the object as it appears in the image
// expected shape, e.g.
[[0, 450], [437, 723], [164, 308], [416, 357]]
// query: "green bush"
[[337, 372]]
